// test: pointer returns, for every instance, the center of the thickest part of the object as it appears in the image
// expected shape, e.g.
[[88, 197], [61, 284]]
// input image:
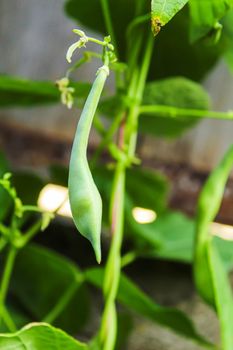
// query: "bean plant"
[[157, 51]]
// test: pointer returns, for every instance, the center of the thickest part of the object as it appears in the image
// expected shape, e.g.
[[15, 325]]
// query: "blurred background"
[[34, 37]]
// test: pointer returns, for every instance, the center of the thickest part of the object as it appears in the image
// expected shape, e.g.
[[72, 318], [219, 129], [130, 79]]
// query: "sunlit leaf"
[[162, 11], [38, 336]]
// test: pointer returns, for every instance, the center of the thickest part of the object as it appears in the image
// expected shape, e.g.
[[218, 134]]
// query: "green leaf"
[[178, 92], [171, 237], [162, 11], [16, 91], [113, 105], [152, 189], [205, 16], [176, 234], [124, 328], [58, 174], [33, 288], [38, 336], [171, 57], [178, 57], [134, 299], [151, 194], [78, 10], [175, 237], [18, 316], [227, 35]]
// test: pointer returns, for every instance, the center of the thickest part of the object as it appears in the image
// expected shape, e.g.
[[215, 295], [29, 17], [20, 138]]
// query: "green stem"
[[110, 30], [129, 258], [108, 23], [178, 113], [137, 21], [3, 243], [31, 232], [99, 42], [6, 277], [78, 64], [4, 230], [107, 138], [134, 46], [133, 56], [61, 305], [108, 329], [7, 319], [32, 208], [132, 123], [98, 125], [145, 66]]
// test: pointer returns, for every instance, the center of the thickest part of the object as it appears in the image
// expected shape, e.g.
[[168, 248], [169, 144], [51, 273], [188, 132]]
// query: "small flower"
[[79, 32], [66, 92], [78, 44], [62, 83]]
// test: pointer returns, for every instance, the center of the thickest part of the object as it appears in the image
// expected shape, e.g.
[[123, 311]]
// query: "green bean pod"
[[85, 200], [210, 274], [208, 207]]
